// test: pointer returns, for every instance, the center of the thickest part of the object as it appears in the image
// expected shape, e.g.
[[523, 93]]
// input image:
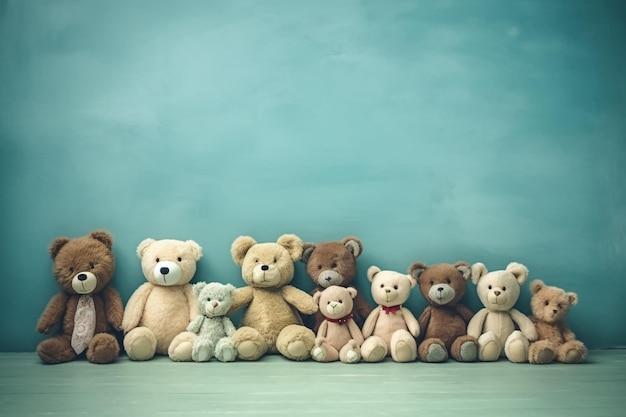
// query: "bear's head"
[[267, 265], [83, 265], [390, 288], [332, 263], [499, 290], [335, 302], [441, 284], [214, 298], [550, 304], [168, 262]]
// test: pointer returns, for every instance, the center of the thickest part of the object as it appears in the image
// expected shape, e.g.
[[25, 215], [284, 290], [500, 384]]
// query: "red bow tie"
[[342, 320], [392, 309]]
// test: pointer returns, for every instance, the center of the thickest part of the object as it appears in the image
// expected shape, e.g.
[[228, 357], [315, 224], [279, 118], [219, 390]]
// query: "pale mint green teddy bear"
[[212, 327]]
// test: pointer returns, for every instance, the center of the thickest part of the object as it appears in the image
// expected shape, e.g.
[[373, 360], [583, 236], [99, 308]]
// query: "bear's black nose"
[[439, 289], [328, 279], [164, 271], [82, 277], [265, 267], [497, 292]]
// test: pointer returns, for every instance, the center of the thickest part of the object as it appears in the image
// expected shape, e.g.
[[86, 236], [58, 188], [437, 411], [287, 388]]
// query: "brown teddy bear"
[[88, 307], [556, 341], [334, 263], [338, 338], [271, 322], [444, 322]]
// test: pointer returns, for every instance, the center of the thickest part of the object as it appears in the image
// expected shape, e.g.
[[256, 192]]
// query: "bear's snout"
[[84, 282], [167, 273]]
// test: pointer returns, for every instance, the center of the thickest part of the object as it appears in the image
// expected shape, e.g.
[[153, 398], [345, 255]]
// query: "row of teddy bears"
[[190, 322]]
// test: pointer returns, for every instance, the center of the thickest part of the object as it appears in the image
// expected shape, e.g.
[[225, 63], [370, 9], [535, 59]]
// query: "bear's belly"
[[500, 323], [167, 314], [269, 313], [446, 325], [338, 335], [387, 324]]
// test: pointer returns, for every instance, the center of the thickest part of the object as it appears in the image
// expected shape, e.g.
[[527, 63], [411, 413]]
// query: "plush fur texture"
[[212, 327], [159, 311], [390, 329], [339, 337], [495, 325], [334, 263], [271, 322], [82, 266], [443, 323], [555, 341]]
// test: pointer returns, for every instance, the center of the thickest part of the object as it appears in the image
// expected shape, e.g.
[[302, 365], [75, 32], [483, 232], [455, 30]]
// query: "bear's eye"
[[503, 288], [559, 306], [71, 269], [449, 281], [92, 265], [432, 282], [334, 265], [328, 303], [180, 259], [319, 267], [382, 285], [158, 260], [256, 260], [274, 259], [395, 287], [545, 303], [490, 287]]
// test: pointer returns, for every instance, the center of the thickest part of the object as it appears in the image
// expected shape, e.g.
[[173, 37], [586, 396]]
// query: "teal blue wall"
[[435, 131]]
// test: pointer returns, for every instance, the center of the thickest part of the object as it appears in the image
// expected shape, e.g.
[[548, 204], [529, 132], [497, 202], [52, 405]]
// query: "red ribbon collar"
[[342, 320], [392, 309]]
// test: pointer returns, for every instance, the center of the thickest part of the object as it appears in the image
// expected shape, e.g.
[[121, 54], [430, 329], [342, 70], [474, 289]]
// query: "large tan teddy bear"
[[270, 322], [158, 312]]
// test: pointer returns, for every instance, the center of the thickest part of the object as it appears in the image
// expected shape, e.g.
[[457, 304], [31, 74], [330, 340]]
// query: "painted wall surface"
[[435, 131]]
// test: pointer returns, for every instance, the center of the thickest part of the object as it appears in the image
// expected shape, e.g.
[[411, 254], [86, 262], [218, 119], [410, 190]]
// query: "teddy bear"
[[88, 306], [339, 337], [159, 311], [555, 340], [271, 322], [390, 329], [495, 325], [212, 327], [334, 263], [443, 323]]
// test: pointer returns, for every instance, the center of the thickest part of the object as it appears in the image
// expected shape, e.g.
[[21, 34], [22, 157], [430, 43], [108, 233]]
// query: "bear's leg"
[[541, 352], [402, 346], [573, 351], [432, 350], [489, 348], [103, 348], [374, 349], [202, 350], [516, 347], [140, 344], [181, 348], [225, 350], [295, 342], [57, 349], [249, 343], [323, 351], [464, 349], [350, 352]]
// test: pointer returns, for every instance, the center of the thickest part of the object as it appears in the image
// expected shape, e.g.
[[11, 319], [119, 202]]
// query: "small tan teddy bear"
[[556, 341]]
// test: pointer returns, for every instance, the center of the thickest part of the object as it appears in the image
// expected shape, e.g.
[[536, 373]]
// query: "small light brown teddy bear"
[[556, 341]]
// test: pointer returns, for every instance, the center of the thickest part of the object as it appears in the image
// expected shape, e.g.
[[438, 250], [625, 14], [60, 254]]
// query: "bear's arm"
[[323, 330], [302, 301], [52, 314], [229, 327], [370, 323], [465, 313], [355, 332], [242, 296], [361, 306], [134, 307], [525, 325], [192, 302], [411, 322], [425, 318], [475, 325], [196, 324], [113, 307]]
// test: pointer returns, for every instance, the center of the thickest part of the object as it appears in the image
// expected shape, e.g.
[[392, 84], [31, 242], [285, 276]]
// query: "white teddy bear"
[[213, 328]]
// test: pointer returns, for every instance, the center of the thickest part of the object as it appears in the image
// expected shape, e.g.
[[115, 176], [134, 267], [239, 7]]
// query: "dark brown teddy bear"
[[88, 307], [334, 263], [444, 322]]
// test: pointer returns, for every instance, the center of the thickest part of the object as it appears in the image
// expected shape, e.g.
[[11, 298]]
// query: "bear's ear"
[[198, 287], [353, 244], [416, 269], [293, 244], [231, 289], [371, 272], [536, 285], [56, 246], [412, 281], [104, 237], [519, 271], [573, 298], [478, 270], [307, 250], [317, 296], [143, 246], [195, 249], [352, 291], [465, 269], [240, 247]]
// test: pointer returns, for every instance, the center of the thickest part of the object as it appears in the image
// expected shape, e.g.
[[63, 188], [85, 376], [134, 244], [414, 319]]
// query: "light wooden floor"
[[275, 386]]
